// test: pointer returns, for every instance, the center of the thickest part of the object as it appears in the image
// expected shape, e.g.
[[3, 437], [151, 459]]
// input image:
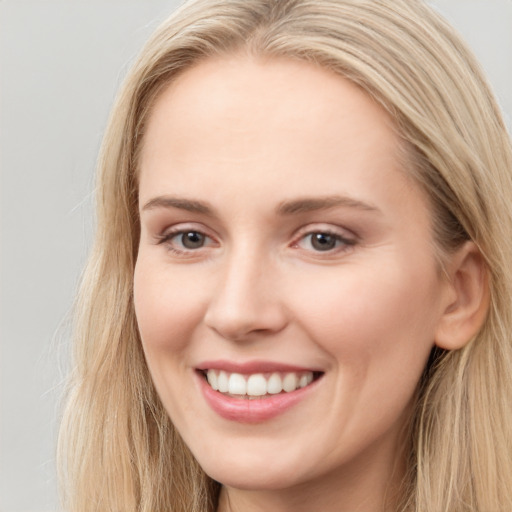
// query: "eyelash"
[[342, 243], [166, 238]]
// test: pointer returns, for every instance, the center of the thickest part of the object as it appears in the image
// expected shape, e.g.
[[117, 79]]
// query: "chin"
[[253, 475]]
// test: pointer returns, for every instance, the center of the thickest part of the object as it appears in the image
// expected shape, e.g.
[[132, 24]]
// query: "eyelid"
[[186, 227], [330, 229], [347, 237], [180, 227]]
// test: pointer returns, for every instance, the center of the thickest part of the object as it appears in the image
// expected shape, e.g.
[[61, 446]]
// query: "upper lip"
[[249, 367]]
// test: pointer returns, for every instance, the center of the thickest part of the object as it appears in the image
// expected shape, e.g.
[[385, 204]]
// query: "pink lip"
[[252, 411], [252, 367]]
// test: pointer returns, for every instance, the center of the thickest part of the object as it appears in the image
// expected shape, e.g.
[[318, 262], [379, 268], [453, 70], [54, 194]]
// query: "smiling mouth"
[[258, 385]]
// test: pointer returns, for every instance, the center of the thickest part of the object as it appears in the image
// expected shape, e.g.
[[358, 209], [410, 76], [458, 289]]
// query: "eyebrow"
[[296, 206], [308, 204], [180, 203]]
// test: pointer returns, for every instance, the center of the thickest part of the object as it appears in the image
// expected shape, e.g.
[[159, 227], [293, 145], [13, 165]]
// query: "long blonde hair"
[[118, 448]]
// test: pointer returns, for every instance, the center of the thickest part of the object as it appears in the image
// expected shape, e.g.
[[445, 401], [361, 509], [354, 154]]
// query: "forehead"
[[240, 93], [269, 128]]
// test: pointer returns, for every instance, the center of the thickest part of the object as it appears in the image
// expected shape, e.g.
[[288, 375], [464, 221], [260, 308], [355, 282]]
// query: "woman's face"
[[282, 245]]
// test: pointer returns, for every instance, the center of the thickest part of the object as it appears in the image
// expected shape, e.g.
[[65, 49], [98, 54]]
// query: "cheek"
[[167, 306], [378, 329], [373, 320], [168, 309]]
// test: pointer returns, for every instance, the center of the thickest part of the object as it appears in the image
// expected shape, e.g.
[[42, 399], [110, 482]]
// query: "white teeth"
[[237, 384], [290, 382], [257, 384], [212, 379], [274, 384], [222, 382], [305, 379]]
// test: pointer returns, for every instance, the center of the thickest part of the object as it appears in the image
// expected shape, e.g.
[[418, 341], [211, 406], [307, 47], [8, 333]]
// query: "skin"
[[245, 136]]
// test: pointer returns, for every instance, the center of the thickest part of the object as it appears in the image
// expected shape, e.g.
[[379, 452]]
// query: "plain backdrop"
[[61, 62]]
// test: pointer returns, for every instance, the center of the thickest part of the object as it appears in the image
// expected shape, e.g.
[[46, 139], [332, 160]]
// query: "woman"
[[299, 295]]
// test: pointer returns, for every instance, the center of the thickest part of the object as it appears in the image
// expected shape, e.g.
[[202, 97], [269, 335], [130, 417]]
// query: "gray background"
[[61, 63]]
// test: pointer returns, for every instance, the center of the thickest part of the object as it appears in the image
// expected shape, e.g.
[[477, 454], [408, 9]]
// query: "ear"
[[467, 300]]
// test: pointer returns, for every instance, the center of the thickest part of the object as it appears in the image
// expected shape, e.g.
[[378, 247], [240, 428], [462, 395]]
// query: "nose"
[[247, 300]]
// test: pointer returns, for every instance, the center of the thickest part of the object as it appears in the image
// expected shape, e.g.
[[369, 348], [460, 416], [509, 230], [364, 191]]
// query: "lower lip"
[[252, 411]]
